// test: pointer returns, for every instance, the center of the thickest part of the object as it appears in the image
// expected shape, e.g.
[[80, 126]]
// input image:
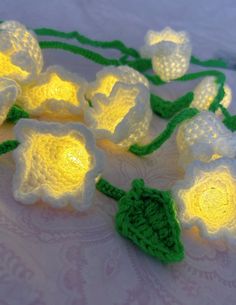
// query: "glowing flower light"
[[123, 117], [170, 52], [206, 198], [20, 55], [57, 163], [204, 138], [9, 90], [55, 91], [206, 91], [108, 77]]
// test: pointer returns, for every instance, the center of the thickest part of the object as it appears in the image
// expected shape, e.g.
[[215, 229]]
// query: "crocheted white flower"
[[108, 77], [56, 92], [20, 55], [122, 117], [204, 138], [206, 198], [170, 52], [57, 163], [206, 91], [9, 90]]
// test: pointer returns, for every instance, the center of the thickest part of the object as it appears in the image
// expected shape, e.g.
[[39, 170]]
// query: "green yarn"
[[114, 44], [214, 63], [148, 218], [109, 190], [8, 146], [167, 109], [165, 135], [16, 113]]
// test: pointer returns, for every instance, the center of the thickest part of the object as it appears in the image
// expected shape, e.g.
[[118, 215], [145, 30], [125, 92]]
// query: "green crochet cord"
[[8, 146], [16, 113], [167, 109], [148, 218], [164, 135]]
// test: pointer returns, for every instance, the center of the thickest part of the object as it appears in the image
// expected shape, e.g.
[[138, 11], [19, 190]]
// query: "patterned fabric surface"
[[64, 257]]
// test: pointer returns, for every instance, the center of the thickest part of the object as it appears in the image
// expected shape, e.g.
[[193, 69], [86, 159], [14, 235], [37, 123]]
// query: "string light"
[[20, 55], [56, 92], [57, 163], [123, 117], [9, 90], [206, 91], [204, 138], [170, 52], [206, 198]]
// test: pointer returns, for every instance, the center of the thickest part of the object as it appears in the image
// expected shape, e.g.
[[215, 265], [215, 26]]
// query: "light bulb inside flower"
[[55, 92], [206, 198], [58, 163]]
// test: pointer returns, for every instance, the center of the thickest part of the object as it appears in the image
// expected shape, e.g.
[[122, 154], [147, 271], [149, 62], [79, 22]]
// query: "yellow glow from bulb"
[[59, 163], [110, 115], [166, 36], [212, 199], [106, 85], [7, 68], [55, 89]]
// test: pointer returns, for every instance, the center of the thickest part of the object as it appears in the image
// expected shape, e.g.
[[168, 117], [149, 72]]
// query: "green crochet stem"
[[8, 146], [144, 150], [167, 109], [16, 113], [109, 190], [114, 44]]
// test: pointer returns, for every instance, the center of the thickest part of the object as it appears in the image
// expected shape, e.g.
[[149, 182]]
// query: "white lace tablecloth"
[[61, 257]]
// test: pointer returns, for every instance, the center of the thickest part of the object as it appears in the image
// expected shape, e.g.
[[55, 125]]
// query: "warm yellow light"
[[123, 117], [207, 195], [108, 77], [20, 55], [212, 198], [57, 163], [54, 92]]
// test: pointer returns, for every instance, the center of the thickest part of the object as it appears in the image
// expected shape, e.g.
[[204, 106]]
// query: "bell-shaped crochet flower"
[[108, 77], [170, 52], [57, 163], [206, 198], [206, 91], [204, 138], [123, 117], [20, 55], [9, 90], [55, 92]]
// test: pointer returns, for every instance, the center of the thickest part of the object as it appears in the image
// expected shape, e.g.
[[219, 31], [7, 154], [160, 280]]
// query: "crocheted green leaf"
[[148, 218], [16, 113]]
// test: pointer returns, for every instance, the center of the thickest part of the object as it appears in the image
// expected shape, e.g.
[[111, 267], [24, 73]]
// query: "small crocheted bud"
[[148, 218], [20, 55], [123, 117], [204, 138], [206, 91], [9, 90], [57, 163], [170, 52], [55, 92], [206, 198]]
